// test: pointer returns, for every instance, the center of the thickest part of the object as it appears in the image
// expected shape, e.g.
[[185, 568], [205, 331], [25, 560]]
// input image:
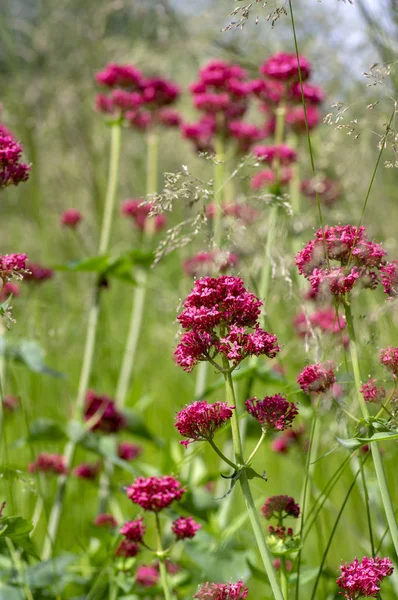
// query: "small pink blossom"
[[372, 393], [49, 463], [389, 359], [360, 579], [185, 528], [128, 451], [86, 471], [37, 273], [285, 67], [147, 576], [134, 530], [317, 378], [272, 412], [127, 549], [102, 413], [155, 493], [280, 507], [12, 171], [105, 520], [297, 119], [389, 278], [281, 153], [71, 218], [140, 212], [222, 591], [267, 178], [313, 94], [205, 263], [328, 190], [199, 421], [9, 288]]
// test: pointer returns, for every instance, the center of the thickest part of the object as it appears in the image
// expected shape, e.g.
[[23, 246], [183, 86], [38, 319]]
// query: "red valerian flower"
[[389, 359], [267, 178], [185, 528], [205, 263], [140, 212], [242, 212], [272, 412], [362, 579], [37, 273], [389, 278], [49, 463], [328, 190], [128, 451], [199, 421], [222, 591], [317, 378], [9, 288], [155, 493], [105, 520], [297, 119], [127, 549], [313, 94], [86, 471], [12, 171], [71, 218], [371, 392], [134, 530], [147, 576], [281, 153], [285, 67], [102, 413], [280, 507]]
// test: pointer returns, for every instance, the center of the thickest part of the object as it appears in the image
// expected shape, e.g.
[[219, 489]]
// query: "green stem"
[[284, 578], [377, 460], [267, 269], [256, 449], [16, 559], [222, 456], [91, 335], [245, 486], [218, 189], [162, 567]]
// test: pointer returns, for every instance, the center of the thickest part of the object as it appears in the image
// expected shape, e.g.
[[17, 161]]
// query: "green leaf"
[[49, 572], [354, 443], [27, 352], [42, 430], [18, 529], [95, 264], [9, 592]]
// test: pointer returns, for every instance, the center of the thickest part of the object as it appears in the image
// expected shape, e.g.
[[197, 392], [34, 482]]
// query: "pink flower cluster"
[[12, 170], [134, 530], [71, 218], [362, 579], [358, 260], [317, 378], [37, 273], [199, 421], [272, 412], [216, 315], [328, 190], [324, 319], [241, 212], [128, 451], [140, 211], [86, 471], [185, 528], [127, 549], [222, 591], [205, 263], [12, 265], [389, 359], [49, 463], [9, 288], [372, 393], [102, 413], [389, 278], [288, 439], [280, 507], [155, 493], [147, 576], [142, 101], [105, 520], [269, 154]]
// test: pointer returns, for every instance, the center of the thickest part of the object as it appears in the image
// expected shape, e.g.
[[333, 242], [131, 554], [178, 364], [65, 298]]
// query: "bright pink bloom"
[[159, 92], [105, 520], [155, 493], [12, 265], [222, 591], [324, 319], [362, 579], [245, 134], [328, 190], [86, 471], [372, 393], [269, 91], [147, 576], [205, 263], [281, 153], [389, 278], [317, 378], [49, 463], [389, 358], [128, 451], [169, 117], [134, 530], [272, 412], [242, 212], [295, 117], [38, 274], [312, 93], [267, 178], [71, 218], [288, 439], [185, 528], [123, 76], [201, 133], [199, 421], [285, 67], [10, 288], [193, 347], [127, 549], [238, 344], [12, 171], [102, 413], [280, 507], [140, 211]]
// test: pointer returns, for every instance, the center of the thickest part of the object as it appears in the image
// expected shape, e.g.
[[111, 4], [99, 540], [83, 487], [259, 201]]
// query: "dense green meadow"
[[50, 53]]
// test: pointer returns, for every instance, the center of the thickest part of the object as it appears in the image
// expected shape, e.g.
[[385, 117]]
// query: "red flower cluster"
[[9, 288], [317, 378], [38, 274], [272, 412], [362, 579], [206, 263], [71, 218], [222, 591], [147, 576], [199, 421], [102, 413], [285, 67], [372, 393], [328, 190], [269, 154], [134, 530], [155, 493], [86, 471], [324, 319], [128, 451], [185, 528], [127, 549], [12, 170], [105, 520], [12, 265], [389, 359], [242, 212], [280, 507], [49, 463], [288, 439], [389, 278], [267, 178], [216, 315], [140, 211], [141, 101]]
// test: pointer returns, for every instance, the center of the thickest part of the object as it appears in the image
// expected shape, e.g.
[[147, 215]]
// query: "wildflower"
[[124, 76], [389, 278], [128, 451], [222, 591], [317, 378], [199, 421], [127, 549], [12, 171], [71, 218], [287, 440], [269, 91], [10, 403], [140, 212], [280, 507], [282, 153], [242, 212], [328, 190], [285, 67], [298, 119], [272, 412], [371, 392], [245, 135], [49, 463], [169, 117], [105, 520], [147, 576], [86, 471], [313, 94], [389, 358], [324, 319], [155, 493], [267, 178], [133, 530], [277, 564], [185, 528], [38, 274], [204, 262], [9, 288], [361, 579], [193, 348], [101, 413], [12, 265]]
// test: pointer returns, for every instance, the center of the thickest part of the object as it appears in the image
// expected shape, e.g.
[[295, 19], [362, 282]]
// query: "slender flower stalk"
[[284, 578], [91, 335], [377, 460], [162, 567], [218, 188]]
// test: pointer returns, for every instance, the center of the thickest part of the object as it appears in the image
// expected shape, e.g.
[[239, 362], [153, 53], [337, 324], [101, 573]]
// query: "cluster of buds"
[[71, 218], [317, 378], [288, 439], [141, 101], [49, 463], [200, 420], [220, 318], [101, 413], [12, 170], [274, 413], [36, 273], [281, 539], [389, 359], [338, 258], [222, 591], [210, 263], [372, 392], [362, 579], [87, 471]]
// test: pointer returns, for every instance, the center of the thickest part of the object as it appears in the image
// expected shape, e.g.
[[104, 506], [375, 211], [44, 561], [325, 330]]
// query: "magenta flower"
[[324, 319], [71, 218], [12, 265], [245, 135], [272, 412], [37, 273], [363, 579], [185, 528], [193, 347], [313, 94], [222, 591], [389, 278], [155, 493], [269, 91], [12, 171], [372, 393], [147, 576], [328, 190], [128, 451], [86, 471], [127, 549], [280, 507], [199, 421], [49, 463], [296, 118], [140, 213], [242, 212], [288, 439], [105, 520], [10, 403], [9, 288], [267, 178], [123, 76], [281, 153], [102, 414], [134, 530], [317, 378], [205, 263], [285, 67], [389, 359]]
